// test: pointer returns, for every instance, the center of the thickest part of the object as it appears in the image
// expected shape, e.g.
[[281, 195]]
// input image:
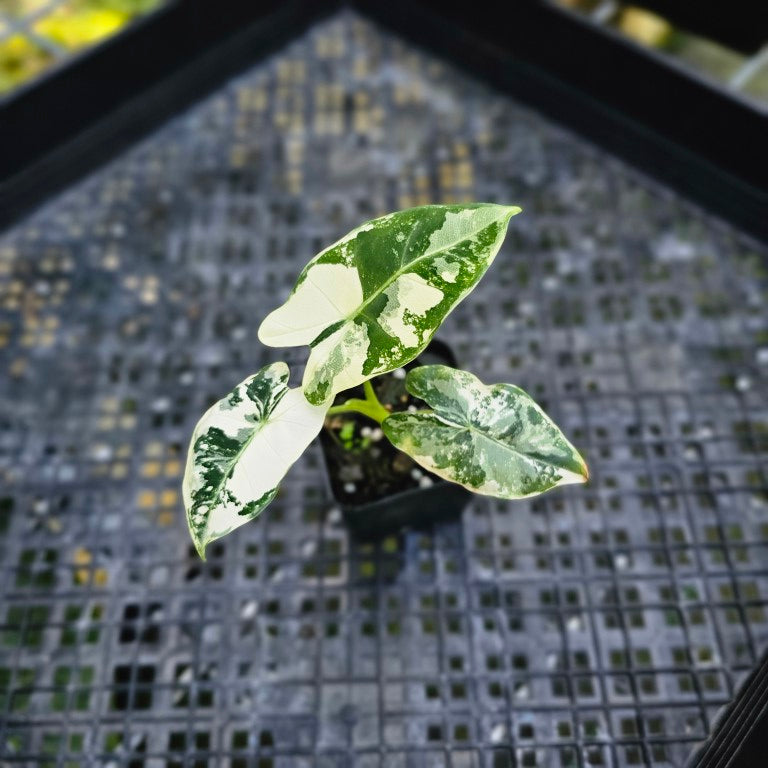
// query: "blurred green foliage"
[[702, 55], [20, 60], [35, 34]]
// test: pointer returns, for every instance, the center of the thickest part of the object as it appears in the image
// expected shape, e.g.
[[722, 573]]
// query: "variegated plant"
[[366, 305]]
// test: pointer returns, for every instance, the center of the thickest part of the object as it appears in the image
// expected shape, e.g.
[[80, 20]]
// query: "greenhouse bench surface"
[[603, 625]]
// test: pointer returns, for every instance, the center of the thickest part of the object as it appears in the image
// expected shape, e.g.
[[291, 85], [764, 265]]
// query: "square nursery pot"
[[428, 500]]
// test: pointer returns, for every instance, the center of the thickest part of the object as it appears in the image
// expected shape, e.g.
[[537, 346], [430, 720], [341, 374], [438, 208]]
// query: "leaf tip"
[[508, 211], [581, 475]]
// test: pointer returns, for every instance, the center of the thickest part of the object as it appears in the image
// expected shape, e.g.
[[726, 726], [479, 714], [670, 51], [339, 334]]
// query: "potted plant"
[[377, 488], [367, 305]]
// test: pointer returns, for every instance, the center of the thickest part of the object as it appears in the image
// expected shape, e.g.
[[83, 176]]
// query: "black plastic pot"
[[443, 501]]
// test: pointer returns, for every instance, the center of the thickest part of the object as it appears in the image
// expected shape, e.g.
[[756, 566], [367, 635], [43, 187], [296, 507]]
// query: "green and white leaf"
[[241, 449], [493, 439], [372, 301]]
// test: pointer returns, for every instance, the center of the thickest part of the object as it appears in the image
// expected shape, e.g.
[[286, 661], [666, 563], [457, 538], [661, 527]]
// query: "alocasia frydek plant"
[[366, 305]]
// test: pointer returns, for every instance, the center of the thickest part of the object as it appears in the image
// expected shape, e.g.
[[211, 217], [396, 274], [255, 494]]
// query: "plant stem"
[[370, 394], [370, 407]]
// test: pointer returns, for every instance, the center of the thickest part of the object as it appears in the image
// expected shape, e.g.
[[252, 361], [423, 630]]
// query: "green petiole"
[[370, 407]]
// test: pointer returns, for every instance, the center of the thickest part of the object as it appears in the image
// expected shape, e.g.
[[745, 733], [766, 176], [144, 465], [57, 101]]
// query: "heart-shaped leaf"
[[491, 439], [241, 449], [373, 300]]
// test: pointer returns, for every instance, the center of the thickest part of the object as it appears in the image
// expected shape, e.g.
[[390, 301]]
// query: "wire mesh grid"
[[601, 625]]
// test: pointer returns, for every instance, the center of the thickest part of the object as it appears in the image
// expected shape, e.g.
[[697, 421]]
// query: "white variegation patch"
[[408, 300], [338, 358], [315, 305], [384, 289], [462, 225], [241, 449], [493, 440], [447, 269]]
